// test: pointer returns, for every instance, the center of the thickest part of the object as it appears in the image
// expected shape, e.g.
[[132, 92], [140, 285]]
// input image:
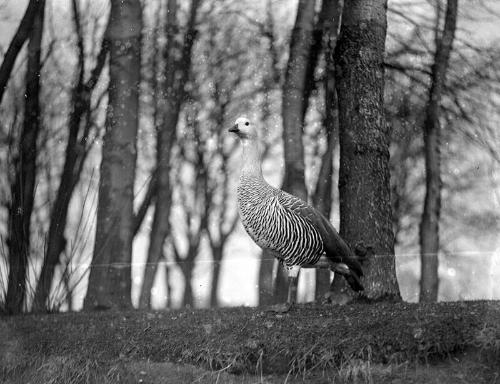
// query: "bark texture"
[[365, 208], [22, 34], [110, 279], [429, 225], [177, 71], [77, 147], [23, 188]]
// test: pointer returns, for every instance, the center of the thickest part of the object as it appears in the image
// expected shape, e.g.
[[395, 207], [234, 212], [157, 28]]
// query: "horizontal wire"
[[257, 258]]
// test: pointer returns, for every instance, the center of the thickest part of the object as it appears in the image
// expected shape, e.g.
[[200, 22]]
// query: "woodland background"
[[173, 76]]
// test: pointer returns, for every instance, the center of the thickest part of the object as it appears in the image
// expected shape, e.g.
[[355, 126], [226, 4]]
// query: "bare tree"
[[23, 188], [22, 34], [466, 125], [192, 192], [429, 226], [110, 273], [365, 208], [220, 56], [77, 148], [177, 69], [221, 219]]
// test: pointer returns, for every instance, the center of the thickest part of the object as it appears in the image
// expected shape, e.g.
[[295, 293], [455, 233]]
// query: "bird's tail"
[[345, 261]]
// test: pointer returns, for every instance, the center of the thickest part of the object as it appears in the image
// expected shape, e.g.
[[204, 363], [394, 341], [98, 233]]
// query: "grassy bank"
[[353, 340]]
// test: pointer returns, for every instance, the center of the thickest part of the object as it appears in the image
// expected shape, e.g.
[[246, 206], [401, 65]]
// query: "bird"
[[290, 229]]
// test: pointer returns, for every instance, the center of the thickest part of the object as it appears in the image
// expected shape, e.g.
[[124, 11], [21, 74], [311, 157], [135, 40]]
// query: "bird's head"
[[244, 129]]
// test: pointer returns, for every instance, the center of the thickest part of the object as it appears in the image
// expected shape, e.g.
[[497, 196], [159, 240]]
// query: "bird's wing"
[[335, 247]]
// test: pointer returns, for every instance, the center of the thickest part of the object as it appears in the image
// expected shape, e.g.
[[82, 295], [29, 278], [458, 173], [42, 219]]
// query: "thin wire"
[[254, 258]]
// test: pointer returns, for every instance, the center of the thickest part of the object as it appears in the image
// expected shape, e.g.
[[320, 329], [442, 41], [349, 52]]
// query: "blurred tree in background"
[[118, 178], [110, 274], [429, 226], [25, 169], [177, 58], [80, 121]]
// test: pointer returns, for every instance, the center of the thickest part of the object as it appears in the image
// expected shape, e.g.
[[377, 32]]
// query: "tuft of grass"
[[488, 342], [356, 371]]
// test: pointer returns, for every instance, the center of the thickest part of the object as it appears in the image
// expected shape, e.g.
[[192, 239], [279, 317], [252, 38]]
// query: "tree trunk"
[[23, 189], [186, 266], [365, 208], [293, 112], [73, 164], [217, 253], [110, 274], [187, 297], [23, 32], [429, 226], [176, 76], [322, 197], [293, 95]]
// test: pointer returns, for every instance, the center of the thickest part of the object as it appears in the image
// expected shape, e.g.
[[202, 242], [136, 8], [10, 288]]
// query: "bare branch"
[[17, 43]]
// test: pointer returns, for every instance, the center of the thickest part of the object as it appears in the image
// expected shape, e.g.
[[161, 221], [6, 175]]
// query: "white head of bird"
[[249, 136], [244, 129]]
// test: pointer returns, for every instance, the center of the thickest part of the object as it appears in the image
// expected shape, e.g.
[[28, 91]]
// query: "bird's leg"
[[293, 273]]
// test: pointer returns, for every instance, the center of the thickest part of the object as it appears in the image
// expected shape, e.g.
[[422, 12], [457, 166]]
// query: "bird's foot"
[[280, 308]]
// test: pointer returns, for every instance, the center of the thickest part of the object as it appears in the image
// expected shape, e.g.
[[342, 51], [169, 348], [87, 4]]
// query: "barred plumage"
[[268, 216], [284, 224]]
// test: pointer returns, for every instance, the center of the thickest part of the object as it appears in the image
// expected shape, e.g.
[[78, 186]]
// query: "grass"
[[353, 343]]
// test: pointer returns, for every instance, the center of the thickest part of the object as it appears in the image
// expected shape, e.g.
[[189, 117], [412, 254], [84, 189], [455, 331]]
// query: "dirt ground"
[[359, 343]]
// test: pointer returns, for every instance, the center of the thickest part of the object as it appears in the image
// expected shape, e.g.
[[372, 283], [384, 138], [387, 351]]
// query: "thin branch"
[[17, 42]]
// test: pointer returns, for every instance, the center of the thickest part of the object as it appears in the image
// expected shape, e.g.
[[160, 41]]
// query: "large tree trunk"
[[429, 226], [76, 151], [322, 197], [23, 188], [176, 76], [110, 274], [23, 32], [365, 208], [293, 112]]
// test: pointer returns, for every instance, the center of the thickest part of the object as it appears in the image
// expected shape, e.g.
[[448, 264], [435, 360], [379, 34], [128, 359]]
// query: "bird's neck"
[[252, 158]]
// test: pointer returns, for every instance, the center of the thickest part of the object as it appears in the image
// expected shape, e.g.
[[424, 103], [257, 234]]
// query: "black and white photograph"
[[250, 191]]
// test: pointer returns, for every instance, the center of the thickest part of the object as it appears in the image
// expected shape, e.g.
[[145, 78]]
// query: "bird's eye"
[[247, 123]]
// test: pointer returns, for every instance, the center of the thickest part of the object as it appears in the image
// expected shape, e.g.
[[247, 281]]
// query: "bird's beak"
[[234, 128]]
